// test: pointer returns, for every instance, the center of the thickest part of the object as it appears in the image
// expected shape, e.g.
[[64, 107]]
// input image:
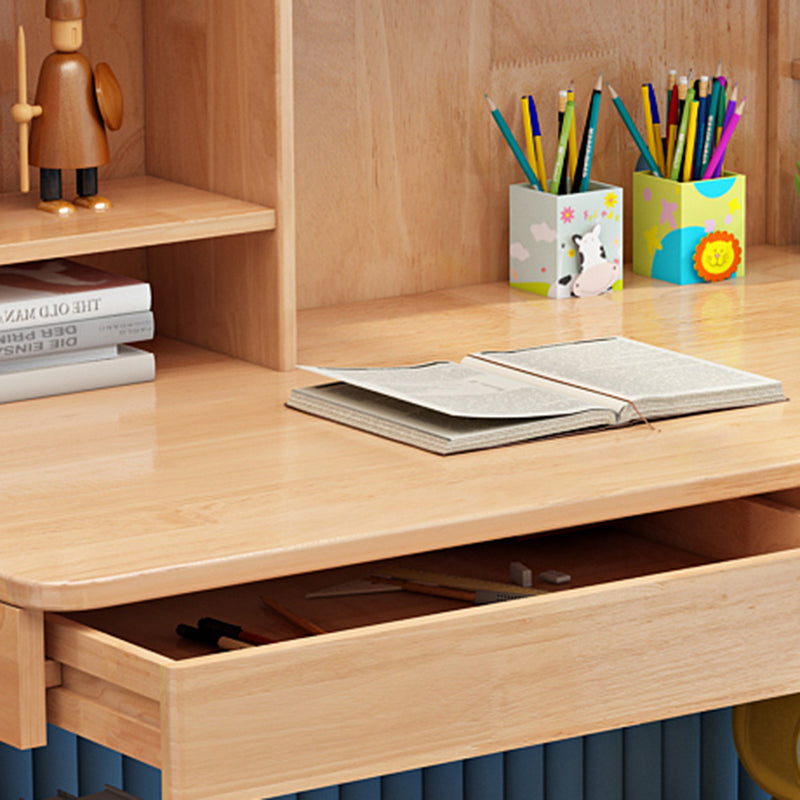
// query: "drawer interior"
[[640, 632], [591, 555]]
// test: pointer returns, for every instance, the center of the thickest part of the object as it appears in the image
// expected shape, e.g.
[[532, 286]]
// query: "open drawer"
[[665, 614]]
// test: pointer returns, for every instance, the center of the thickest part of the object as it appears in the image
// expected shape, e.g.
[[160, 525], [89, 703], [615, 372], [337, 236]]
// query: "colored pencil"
[[530, 147], [672, 82], [702, 118], [572, 150], [711, 126], [562, 147], [648, 122], [673, 120], [722, 107], [657, 129], [680, 143], [562, 108], [691, 135], [634, 132], [682, 96], [719, 152], [537, 140], [584, 168], [683, 88], [513, 144], [733, 100]]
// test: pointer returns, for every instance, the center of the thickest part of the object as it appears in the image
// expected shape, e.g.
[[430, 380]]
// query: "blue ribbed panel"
[[603, 766], [56, 766], [680, 749], [329, 793], [563, 770], [719, 764], [140, 780], [97, 766], [687, 758], [16, 772], [402, 785], [74, 765], [444, 781], [641, 761], [484, 778], [524, 773], [369, 789]]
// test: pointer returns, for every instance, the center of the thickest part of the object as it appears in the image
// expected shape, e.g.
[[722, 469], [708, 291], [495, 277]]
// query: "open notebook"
[[494, 398]]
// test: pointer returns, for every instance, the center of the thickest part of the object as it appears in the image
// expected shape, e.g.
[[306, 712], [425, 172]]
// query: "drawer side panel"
[[104, 656]]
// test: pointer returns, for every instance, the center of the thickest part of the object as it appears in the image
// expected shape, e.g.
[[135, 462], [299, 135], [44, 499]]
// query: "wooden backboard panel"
[[783, 132], [402, 176]]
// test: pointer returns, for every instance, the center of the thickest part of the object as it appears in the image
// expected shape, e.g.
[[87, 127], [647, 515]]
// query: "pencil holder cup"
[[567, 245], [690, 232]]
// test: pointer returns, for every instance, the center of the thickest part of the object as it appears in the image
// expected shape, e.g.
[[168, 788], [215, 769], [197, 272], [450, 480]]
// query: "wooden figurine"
[[71, 111]]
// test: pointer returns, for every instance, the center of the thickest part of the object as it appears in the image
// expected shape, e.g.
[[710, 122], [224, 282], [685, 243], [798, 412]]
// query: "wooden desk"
[[204, 479]]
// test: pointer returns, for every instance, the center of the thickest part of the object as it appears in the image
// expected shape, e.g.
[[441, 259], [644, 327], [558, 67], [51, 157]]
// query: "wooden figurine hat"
[[65, 9]]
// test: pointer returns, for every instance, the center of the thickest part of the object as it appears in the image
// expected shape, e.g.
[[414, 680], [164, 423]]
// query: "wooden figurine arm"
[[24, 112]]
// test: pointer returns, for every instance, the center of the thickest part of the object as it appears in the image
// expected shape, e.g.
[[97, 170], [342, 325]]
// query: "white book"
[[493, 398], [128, 365], [61, 290], [63, 337], [56, 359]]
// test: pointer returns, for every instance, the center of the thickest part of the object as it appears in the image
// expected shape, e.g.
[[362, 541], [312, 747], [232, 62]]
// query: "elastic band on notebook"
[[567, 383]]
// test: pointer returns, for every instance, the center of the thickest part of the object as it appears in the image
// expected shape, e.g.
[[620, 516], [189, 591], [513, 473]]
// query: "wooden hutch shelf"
[[148, 211]]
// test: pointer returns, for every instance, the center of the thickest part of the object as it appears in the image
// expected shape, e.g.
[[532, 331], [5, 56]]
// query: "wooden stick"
[[22, 97], [301, 622]]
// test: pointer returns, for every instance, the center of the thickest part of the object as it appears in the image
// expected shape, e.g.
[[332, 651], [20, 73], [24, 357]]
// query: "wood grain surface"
[[205, 478]]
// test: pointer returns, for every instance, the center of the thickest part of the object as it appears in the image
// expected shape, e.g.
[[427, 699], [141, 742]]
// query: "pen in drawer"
[[232, 631], [210, 638]]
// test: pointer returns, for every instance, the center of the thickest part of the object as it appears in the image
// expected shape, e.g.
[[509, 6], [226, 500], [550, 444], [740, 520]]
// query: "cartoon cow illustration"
[[597, 275]]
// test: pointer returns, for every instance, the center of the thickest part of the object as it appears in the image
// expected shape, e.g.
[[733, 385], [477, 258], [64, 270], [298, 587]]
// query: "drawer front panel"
[[344, 706], [22, 678]]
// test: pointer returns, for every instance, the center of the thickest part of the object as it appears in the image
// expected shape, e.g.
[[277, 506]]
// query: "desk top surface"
[[204, 478]]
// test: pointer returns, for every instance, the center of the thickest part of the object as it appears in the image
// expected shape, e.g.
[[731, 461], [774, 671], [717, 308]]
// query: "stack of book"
[[66, 327]]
